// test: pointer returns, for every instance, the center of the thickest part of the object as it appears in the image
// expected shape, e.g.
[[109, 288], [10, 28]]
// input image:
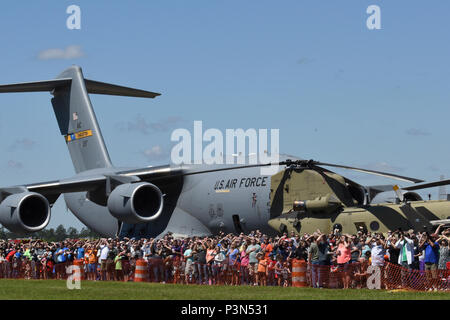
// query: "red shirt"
[[345, 253], [10, 255]]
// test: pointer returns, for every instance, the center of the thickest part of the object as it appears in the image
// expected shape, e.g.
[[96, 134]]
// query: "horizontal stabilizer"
[[94, 87], [46, 85], [115, 90]]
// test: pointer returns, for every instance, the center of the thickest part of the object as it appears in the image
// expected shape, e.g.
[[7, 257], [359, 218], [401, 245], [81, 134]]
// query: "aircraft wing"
[[53, 189], [81, 183]]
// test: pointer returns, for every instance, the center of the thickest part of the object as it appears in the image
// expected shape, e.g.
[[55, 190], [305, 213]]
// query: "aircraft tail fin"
[[75, 115]]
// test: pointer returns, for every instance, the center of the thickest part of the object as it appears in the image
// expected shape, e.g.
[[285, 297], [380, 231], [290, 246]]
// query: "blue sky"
[[337, 91]]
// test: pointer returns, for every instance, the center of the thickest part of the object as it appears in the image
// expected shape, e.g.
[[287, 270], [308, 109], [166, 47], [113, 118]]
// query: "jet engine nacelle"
[[136, 202], [25, 212]]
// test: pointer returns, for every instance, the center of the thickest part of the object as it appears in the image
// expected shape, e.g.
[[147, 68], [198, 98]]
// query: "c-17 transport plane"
[[197, 200]]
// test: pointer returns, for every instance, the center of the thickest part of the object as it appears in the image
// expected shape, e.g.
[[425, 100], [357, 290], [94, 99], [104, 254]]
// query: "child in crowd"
[[262, 268]]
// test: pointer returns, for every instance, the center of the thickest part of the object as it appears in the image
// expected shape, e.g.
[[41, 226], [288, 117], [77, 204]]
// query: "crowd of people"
[[246, 259]]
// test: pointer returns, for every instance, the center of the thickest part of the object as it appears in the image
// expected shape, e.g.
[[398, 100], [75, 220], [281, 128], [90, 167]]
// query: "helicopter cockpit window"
[[357, 193]]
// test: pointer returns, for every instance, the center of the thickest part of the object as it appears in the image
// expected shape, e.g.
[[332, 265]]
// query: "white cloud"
[[70, 52], [144, 127], [155, 153], [15, 164], [417, 132], [25, 144]]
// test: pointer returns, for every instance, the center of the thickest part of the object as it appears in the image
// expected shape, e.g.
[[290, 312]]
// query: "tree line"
[[50, 234]]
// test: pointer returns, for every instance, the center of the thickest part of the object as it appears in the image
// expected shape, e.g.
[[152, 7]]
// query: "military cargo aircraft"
[[192, 200]]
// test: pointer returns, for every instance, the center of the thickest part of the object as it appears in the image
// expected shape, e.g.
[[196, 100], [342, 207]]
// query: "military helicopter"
[[306, 197]]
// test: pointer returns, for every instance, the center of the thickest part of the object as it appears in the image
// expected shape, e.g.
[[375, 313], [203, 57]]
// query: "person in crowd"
[[313, 259], [118, 266], [430, 247], [343, 259], [244, 258], [278, 269], [102, 251], [270, 269], [189, 258], [91, 253], [443, 254], [210, 253], [200, 262], [233, 263], [219, 264], [262, 266], [267, 246], [324, 252], [405, 257], [253, 249], [377, 249], [286, 274], [443, 241], [110, 261]]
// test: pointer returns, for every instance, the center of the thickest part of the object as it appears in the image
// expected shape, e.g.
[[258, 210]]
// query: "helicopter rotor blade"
[[378, 173], [306, 164], [428, 185]]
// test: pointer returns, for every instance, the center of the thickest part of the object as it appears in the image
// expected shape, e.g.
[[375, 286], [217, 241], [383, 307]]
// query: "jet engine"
[[136, 202], [25, 212]]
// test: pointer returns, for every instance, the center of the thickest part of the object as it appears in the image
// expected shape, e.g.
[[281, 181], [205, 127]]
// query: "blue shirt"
[[187, 253], [80, 253], [62, 257], [233, 255], [432, 253]]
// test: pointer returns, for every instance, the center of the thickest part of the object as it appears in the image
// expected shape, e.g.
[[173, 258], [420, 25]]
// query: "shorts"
[[109, 265], [103, 265], [430, 266], [431, 270], [60, 267], [252, 268], [344, 267], [189, 269], [92, 267]]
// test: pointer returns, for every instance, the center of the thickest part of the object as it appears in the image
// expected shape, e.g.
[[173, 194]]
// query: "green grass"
[[56, 289]]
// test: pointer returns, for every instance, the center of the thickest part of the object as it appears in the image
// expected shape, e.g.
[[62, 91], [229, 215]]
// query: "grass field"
[[57, 290]]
